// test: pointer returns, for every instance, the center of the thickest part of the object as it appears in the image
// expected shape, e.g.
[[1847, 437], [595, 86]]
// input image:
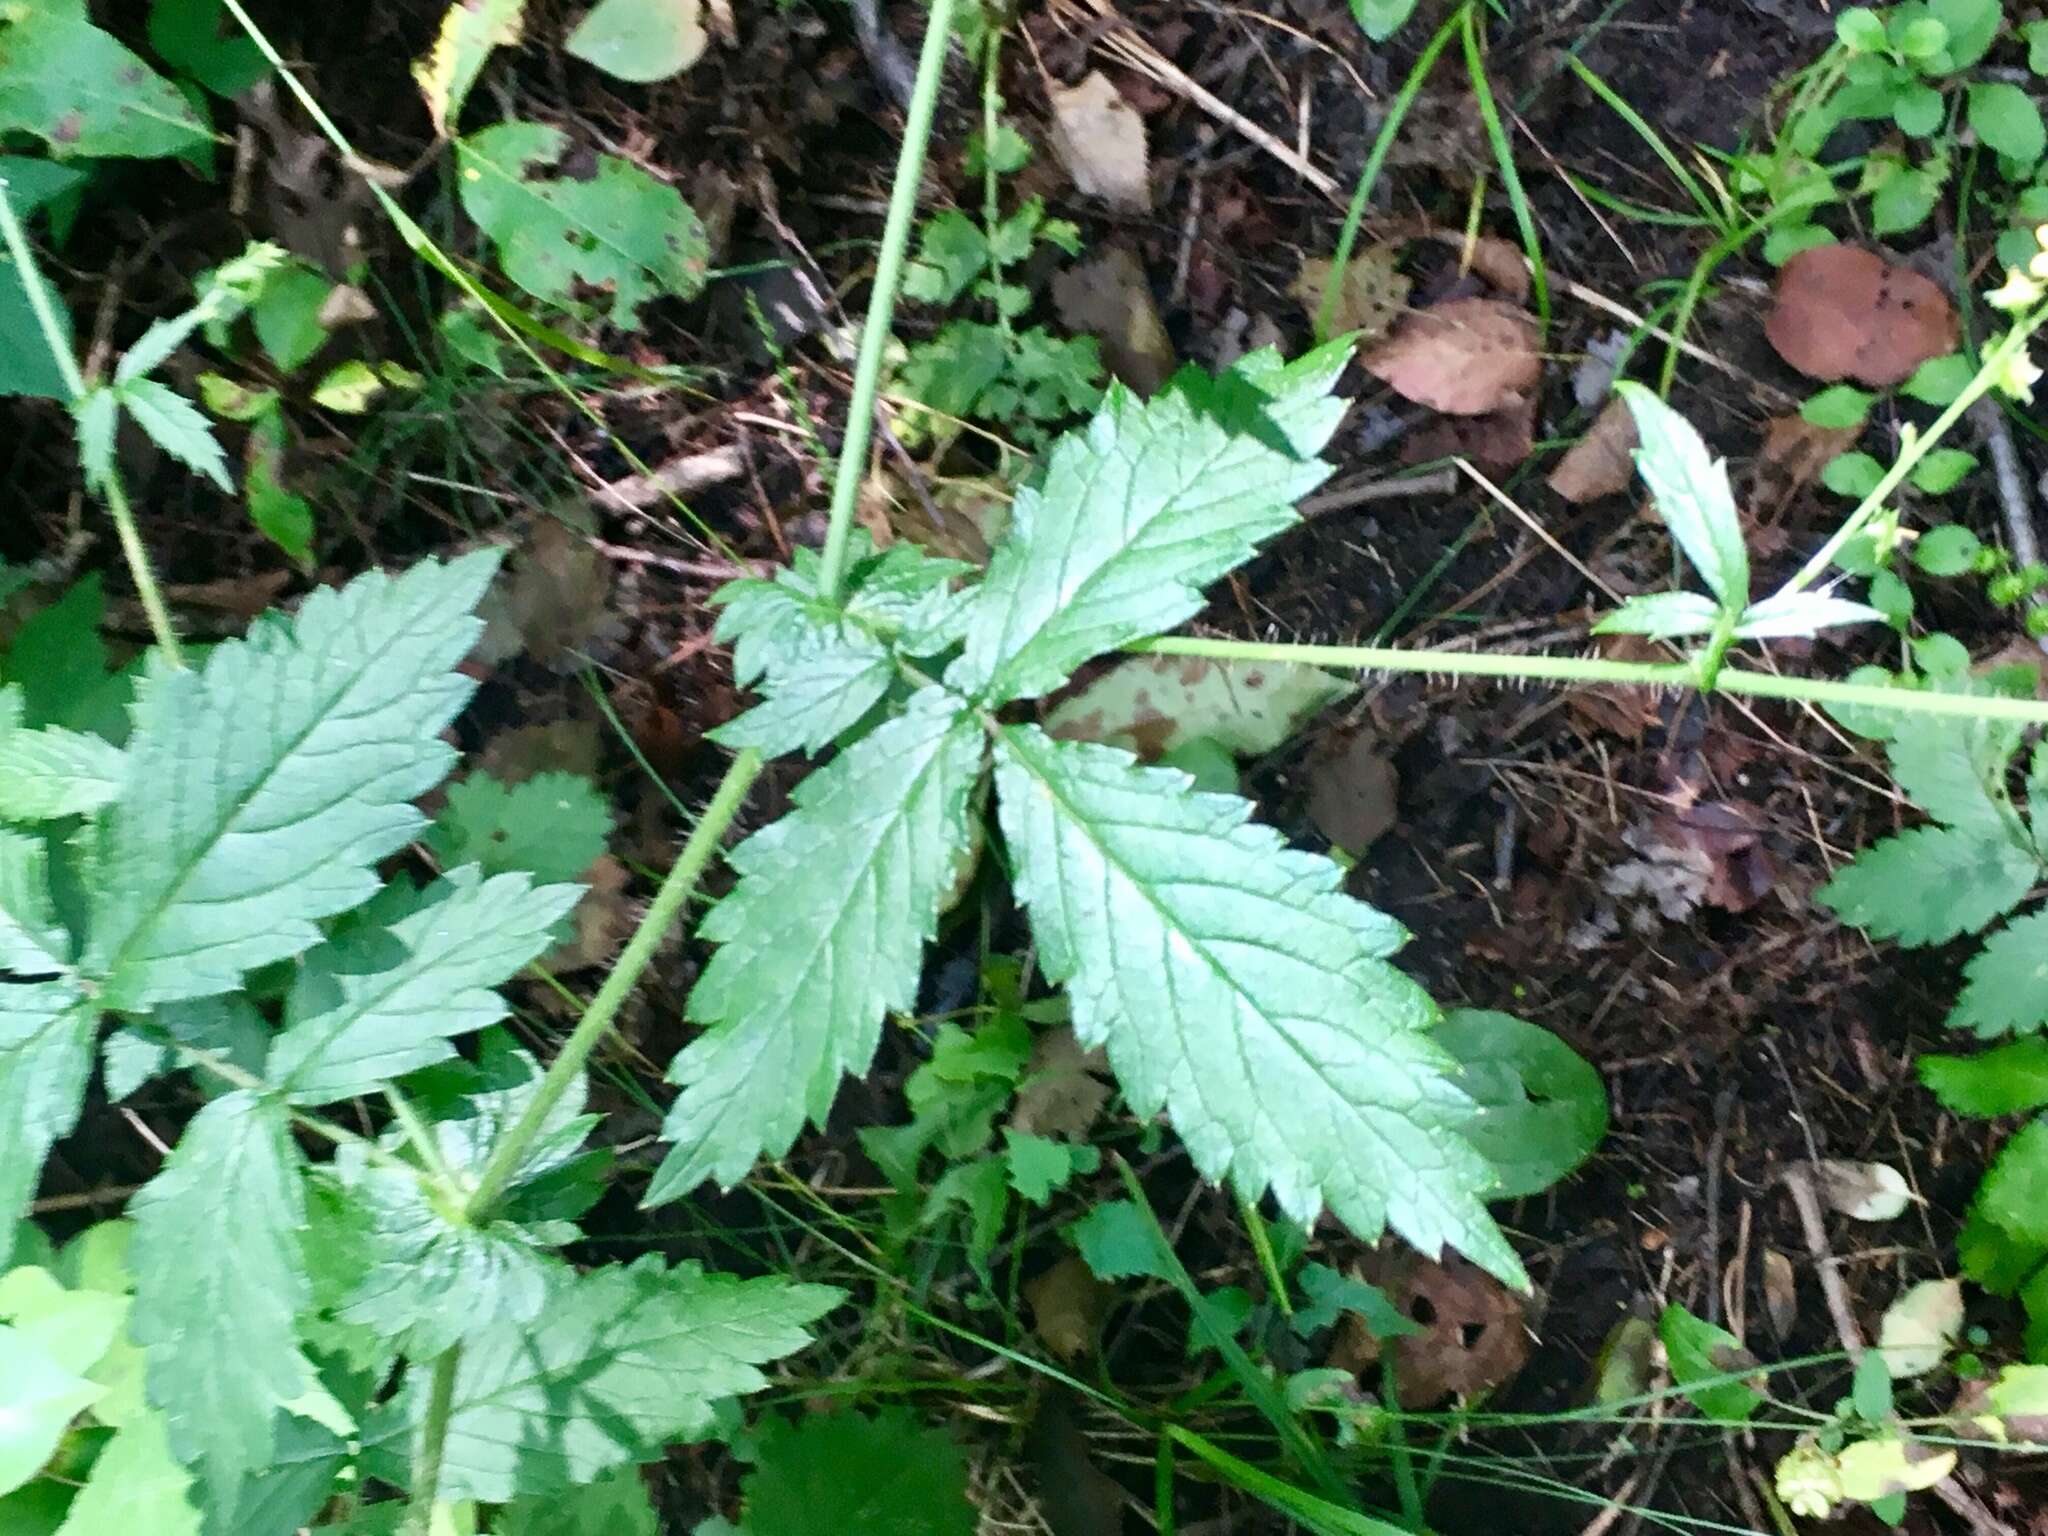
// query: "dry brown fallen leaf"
[[1374, 294], [1599, 463], [1465, 358], [1781, 1292], [1840, 312], [1499, 440], [1068, 1305], [1793, 454], [1109, 298], [1473, 1337], [1100, 139], [1353, 790], [1064, 1088]]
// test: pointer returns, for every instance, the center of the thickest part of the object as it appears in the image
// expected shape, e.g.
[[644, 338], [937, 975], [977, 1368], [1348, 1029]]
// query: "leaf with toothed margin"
[[1141, 509], [1236, 986], [46, 1039], [824, 933]]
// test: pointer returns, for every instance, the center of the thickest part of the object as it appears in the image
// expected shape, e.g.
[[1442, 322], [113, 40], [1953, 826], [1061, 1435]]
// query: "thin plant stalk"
[[1504, 156], [111, 489], [709, 834], [1375, 162]]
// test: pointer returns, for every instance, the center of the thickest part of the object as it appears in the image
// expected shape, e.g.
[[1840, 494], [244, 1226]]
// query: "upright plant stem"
[[111, 490], [867, 370], [709, 834]]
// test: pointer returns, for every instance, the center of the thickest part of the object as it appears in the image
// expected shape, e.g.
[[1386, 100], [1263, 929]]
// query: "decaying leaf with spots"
[[1152, 704], [1467, 357], [1843, 313], [1372, 299]]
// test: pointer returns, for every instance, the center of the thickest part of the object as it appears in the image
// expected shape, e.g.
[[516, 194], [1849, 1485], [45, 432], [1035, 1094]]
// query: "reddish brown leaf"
[[1599, 463], [1467, 357], [1845, 313]]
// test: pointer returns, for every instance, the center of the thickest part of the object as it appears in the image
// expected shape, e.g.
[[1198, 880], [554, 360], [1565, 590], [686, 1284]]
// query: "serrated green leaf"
[[2007, 1080], [64, 81], [1540, 1107], [53, 772], [470, 31], [1188, 935], [1330, 1293], [219, 1283], [1690, 488], [552, 826], [476, 1103], [286, 314], [2012, 1192], [623, 1361], [821, 666], [135, 1486], [46, 1030], [885, 1474], [1699, 1352], [615, 1505], [375, 1006], [96, 419], [32, 941], [42, 1399], [641, 40], [1930, 884], [823, 934], [1956, 773], [1662, 615], [59, 662], [2007, 988], [263, 786], [1139, 510], [952, 252], [1117, 1241], [1037, 1165], [619, 230]]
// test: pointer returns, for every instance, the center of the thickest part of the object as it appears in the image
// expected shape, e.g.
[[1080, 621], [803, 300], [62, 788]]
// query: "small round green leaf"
[[641, 40], [1949, 550], [1943, 470], [1861, 31], [1838, 406], [1852, 474], [2006, 120], [1940, 379]]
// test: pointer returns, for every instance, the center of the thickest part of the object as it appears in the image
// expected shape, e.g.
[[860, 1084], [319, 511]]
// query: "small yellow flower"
[[2038, 265], [2020, 291], [2017, 377], [2041, 236], [1808, 1482]]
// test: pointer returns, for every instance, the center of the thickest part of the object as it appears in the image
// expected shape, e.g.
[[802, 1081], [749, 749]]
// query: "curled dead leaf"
[[1465, 358], [1472, 1339], [1600, 463], [1844, 313]]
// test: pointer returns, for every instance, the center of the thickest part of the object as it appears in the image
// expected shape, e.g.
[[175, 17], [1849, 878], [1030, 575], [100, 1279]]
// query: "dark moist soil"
[[1735, 1038]]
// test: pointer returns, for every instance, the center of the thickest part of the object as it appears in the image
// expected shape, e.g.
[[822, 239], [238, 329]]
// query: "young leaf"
[[1931, 884], [1942, 470], [2006, 1080], [1801, 614], [2007, 992], [622, 1361], [1141, 509], [1699, 1352], [1949, 550], [42, 1399], [1690, 487], [73, 86], [54, 772], [1661, 615], [1330, 1292], [1840, 405], [882, 1473], [619, 230], [370, 1007], [46, 1030], [1187, 935], [1540, 1107], [263, 787], [823, 934], [219, 1282]]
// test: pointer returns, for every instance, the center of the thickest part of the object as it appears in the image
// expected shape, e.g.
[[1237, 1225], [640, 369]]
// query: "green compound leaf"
[[1930, 885], [1699, 1353], [54, 772], [621, 231], [2007, 991], [821, 666], [64, 81], [377, 1005], [1140, 509], [1956, 772], [1541, 1107], [622, 1362], [880, 1475], [178, 427], [824, 933], [263, 787], [1236, 987], [219, 1283], [2007, 1080], [552, 826], [616, 1505], [1690, 488], [46, 1036]]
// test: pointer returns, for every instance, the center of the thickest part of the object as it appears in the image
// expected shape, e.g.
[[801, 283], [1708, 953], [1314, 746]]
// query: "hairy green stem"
[[991, 181], [111, 490], [426, 1471], [867, 370], [1592, 669], [1375, 162]]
